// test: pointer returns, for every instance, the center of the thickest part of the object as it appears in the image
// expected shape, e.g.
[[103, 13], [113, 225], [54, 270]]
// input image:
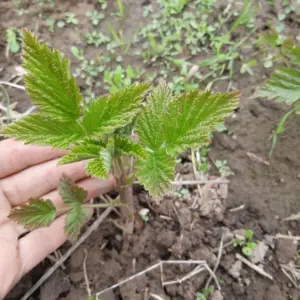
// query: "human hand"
[[26, 172]]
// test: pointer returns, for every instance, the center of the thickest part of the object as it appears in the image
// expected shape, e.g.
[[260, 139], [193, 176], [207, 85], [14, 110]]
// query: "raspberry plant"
[[134, 133]]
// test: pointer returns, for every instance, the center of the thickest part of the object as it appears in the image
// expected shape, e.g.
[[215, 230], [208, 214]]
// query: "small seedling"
[[13, 44], [223, 168], [51, 23], [166, 125], [203, 295], [247, 243], [96, 38], [77, 52], [103, 4], [89, 70], [95, 17], [70, 18], [121, 78]]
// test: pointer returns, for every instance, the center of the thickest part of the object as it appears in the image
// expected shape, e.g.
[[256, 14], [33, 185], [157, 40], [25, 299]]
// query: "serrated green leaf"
[[83, 150], [113, 111], [48, 81], [76, 217], [70, 192], [156, 172], [182, 122], [125, 146], [150, 121], [283, 86], [193, 116], [34, 214], [97, 168], [38, 130]]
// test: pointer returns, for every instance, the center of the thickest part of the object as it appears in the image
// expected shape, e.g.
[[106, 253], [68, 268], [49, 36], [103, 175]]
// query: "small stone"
[[247, 281], [56, 285], [274, 293], [185, 216], [285, 250], [203, 253], [235, 270], [76, 277], [239, 234], [166, 239], [216, 295], [76, 259], [238, 289], [259, 253], [225, 141]]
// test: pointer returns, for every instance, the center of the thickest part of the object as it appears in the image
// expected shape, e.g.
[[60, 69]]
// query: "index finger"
[[15, 156]]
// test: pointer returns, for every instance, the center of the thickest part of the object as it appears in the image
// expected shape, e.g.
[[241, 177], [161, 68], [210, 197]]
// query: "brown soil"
[[269, 193]]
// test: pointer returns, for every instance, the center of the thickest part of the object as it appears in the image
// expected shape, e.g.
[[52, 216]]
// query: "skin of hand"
[[28, 172]]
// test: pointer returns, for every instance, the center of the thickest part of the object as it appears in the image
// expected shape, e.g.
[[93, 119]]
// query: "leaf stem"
[[104, 205]]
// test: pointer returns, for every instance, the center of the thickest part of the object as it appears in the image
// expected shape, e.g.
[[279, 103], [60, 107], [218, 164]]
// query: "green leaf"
[[283, 86], [125, 146], [83, 150], [156, 172], [251, 245], [97, 167], [70, 192], [38, 130], [247, 251], [185, 121], [12, 40], [249, 235], [76, 217], [150, 122], [49, 83], [193, 116], [34, 214], [113, 111]]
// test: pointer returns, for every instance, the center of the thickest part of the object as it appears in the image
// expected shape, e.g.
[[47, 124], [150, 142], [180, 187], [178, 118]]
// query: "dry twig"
[[287, 237], [17, 86], [200, 263], [86, 278], [217, 262], [253, 266], [48, 273]]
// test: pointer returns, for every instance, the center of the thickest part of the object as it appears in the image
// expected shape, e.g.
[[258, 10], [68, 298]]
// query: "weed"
[[103, 4], [283, 86], [101, 133], [95, 17], [51, 23], [223, 168], [121, 78], [120, 8], [172, 6], [96, 38], [203, 295], [89, 70], [12, 39], [247, 243], [70, 18], [77, 52]]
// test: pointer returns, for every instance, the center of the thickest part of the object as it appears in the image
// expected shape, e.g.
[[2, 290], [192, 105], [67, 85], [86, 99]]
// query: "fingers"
[[39, 180], [15, 156], [35, 246]]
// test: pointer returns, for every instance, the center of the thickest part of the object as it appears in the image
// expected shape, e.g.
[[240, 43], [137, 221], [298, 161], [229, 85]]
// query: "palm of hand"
[[27, 172]]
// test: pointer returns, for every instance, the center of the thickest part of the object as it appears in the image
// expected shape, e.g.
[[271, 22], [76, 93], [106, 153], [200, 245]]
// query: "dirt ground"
[[268, 189]]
